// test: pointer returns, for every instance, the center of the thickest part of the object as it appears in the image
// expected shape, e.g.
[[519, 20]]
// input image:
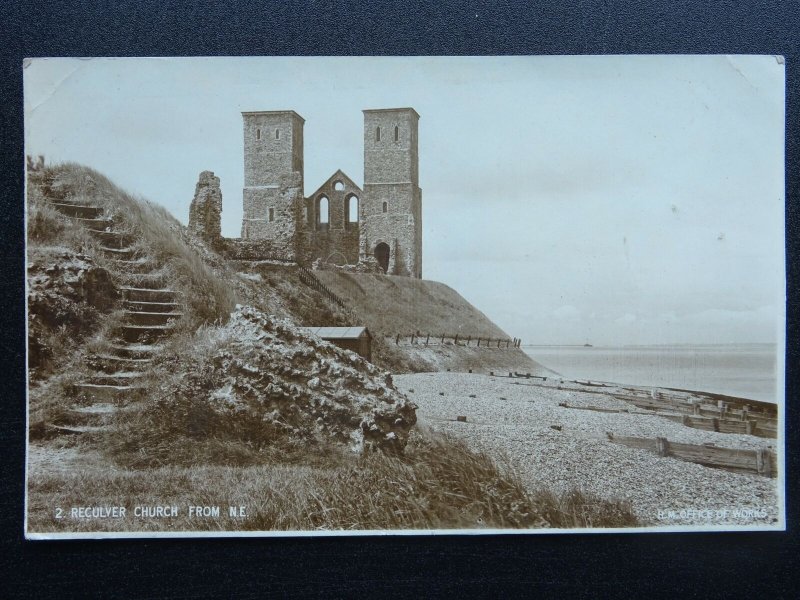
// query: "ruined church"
[[339, 223]]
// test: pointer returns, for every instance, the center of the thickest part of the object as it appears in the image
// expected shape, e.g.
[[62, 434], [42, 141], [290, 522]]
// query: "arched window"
[[322, 212], [258, 133], [271, 215], [377, 134], [352, 209], [277, 134], [385, 207], [396, 133], [338, 186]]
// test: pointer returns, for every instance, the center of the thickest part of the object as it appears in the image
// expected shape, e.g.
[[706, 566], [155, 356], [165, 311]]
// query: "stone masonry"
[[206, 208], [340, 223]]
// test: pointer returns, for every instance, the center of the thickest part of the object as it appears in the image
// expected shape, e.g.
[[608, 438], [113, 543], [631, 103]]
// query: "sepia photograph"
[[408, 295]]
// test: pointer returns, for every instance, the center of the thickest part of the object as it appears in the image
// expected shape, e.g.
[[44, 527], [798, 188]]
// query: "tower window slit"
[[396, 133], [377, 134]]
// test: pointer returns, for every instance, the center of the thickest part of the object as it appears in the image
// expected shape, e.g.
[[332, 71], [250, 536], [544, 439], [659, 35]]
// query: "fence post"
[[397, 340], [456, 340], [427, 339], [469, 339], [442, 339], [662, 446], [763, 465], [479, 342]]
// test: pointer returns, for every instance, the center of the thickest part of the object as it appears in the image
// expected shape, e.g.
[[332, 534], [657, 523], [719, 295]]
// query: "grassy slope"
[[392, 305]]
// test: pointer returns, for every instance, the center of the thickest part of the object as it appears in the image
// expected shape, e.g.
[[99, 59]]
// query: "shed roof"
[[338, 333]]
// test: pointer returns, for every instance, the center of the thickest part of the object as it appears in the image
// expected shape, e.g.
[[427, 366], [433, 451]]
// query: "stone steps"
[[77, 210], [136, 351], [118, 379], [113, 239], [126, 253], [99, 391], [151, 318], [144, 333], [114, 364], [149, 309], [148, 294], [98, 414], [80, 429], [99, 223]]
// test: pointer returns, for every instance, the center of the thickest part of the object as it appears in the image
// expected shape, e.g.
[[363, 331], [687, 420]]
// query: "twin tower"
[[377, 227]]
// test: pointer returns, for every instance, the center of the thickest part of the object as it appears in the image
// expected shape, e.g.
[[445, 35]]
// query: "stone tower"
[[391, 215], [273, 178]]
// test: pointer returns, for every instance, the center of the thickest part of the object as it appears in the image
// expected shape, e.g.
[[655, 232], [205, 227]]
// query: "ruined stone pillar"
[[205, 211]]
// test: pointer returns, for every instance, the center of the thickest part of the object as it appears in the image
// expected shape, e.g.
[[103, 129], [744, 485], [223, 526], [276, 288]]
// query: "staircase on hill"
[[150, 309]]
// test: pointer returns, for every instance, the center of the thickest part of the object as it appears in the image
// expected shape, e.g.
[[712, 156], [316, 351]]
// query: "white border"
[[779, 526]]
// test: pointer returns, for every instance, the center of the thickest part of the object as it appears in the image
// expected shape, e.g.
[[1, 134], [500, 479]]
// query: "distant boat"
[[587, 345]]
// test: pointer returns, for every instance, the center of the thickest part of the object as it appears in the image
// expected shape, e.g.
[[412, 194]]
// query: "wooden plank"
[[762, 462], [593, 408]]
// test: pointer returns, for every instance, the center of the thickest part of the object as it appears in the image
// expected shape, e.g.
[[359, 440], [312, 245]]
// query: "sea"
[[742, 370]]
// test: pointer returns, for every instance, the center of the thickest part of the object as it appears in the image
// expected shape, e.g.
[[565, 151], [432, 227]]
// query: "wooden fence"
[[762, 462], [311, 280], [452, 339]]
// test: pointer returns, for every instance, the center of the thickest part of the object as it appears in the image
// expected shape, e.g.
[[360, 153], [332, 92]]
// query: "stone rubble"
[[266, 373]]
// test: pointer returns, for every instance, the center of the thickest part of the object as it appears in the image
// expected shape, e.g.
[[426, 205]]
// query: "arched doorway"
[[382, 256]]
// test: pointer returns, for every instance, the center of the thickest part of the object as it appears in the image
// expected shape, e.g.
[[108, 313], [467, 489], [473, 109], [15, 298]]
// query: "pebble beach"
[[519, 423]]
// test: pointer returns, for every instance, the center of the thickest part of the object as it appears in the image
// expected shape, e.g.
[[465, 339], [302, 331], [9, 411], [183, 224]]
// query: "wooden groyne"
[[760, 462], [692, 411]]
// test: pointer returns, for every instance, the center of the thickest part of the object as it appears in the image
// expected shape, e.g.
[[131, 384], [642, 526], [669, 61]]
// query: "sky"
[[610, 200]]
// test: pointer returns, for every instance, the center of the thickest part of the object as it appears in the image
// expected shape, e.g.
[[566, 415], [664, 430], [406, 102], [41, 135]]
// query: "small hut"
[[357, 339]]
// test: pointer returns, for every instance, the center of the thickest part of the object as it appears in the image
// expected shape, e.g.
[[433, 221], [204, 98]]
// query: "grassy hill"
[[392, 305]]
